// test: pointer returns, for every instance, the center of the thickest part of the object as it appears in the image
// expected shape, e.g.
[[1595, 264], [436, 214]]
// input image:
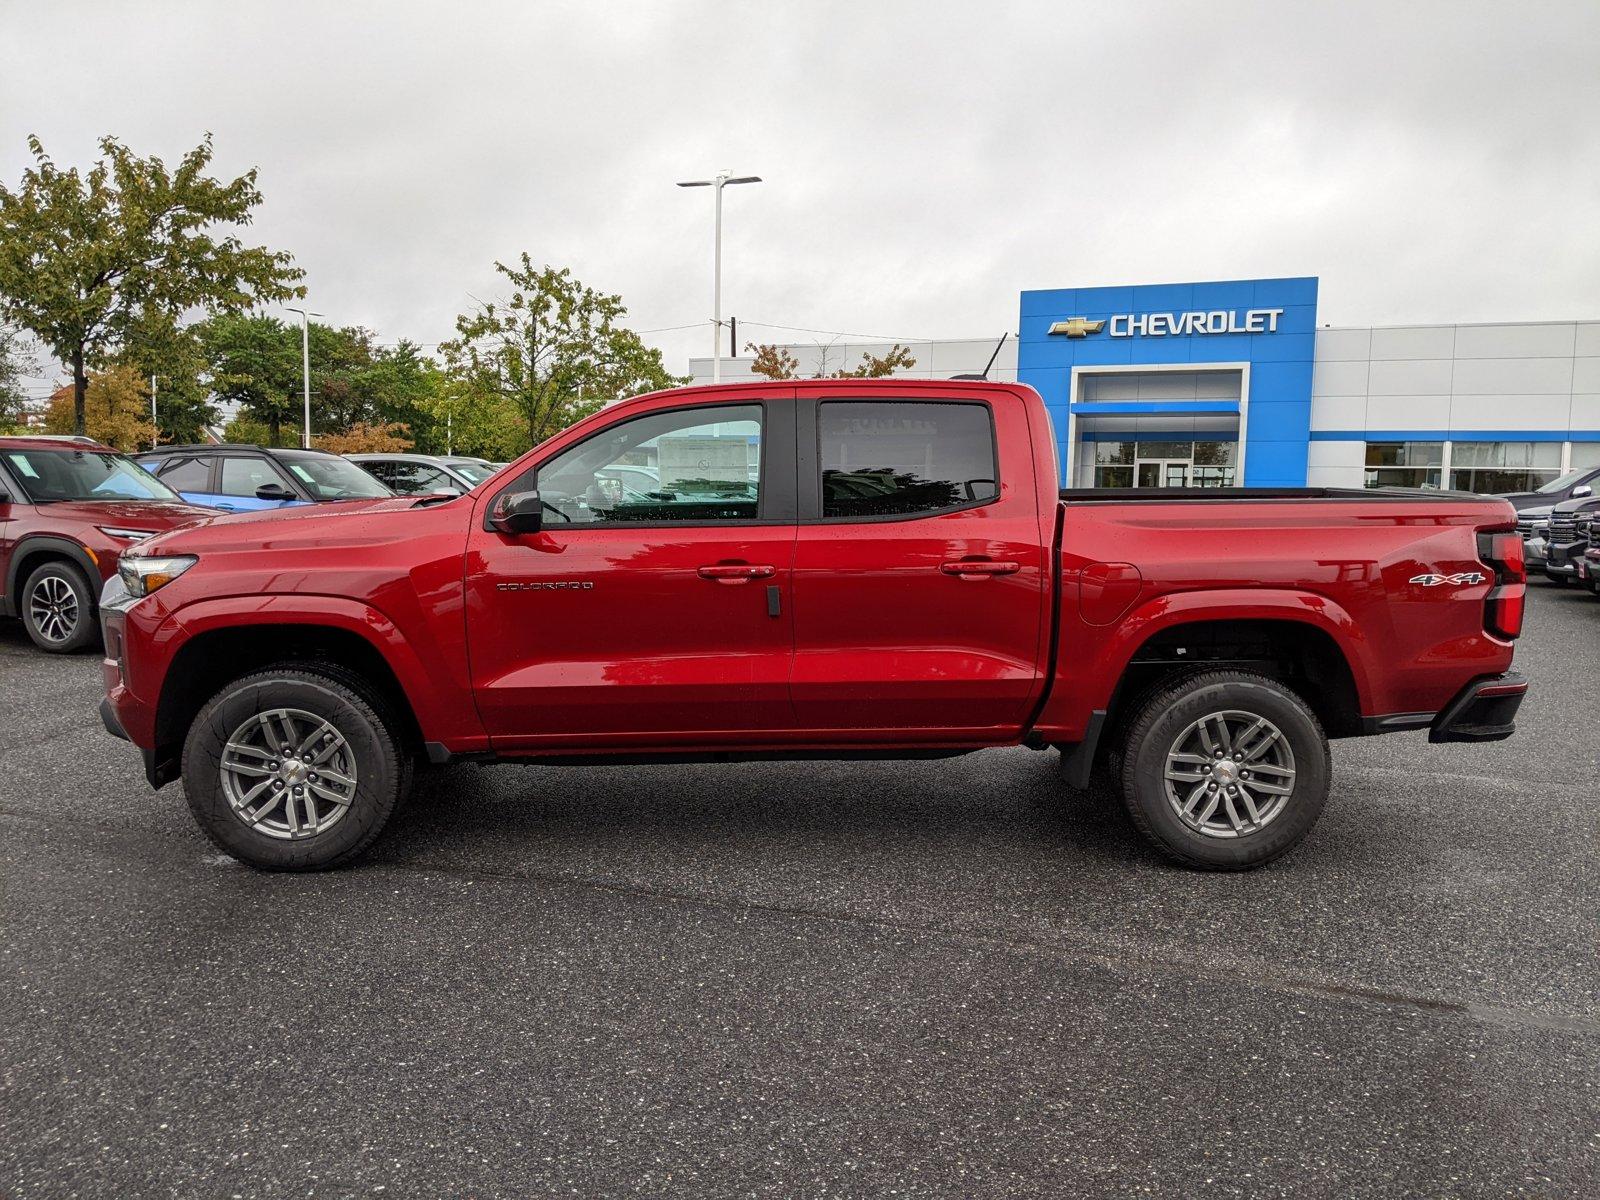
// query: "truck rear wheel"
[[1225, 770], [294, 768]]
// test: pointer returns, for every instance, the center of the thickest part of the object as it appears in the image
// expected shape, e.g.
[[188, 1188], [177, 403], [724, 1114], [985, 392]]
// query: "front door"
[[653, 607], [920, 591], [1162, 472]]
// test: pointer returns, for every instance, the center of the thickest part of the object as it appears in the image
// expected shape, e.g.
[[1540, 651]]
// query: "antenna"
[[990, 363]]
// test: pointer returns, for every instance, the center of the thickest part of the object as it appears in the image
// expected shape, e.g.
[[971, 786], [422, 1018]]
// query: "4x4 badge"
[[1459, 579]]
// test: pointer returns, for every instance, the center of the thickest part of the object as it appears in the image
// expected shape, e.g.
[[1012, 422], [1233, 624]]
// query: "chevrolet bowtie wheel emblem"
[[1077, 327]]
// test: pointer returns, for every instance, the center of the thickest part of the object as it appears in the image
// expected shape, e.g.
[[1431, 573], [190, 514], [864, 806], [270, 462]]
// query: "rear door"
[[654, 616], [191, 477], [920, 574]]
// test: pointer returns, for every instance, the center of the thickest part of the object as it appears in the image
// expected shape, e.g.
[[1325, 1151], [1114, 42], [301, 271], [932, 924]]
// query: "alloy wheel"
[[1230, 774], [288, 773], [53, 608]]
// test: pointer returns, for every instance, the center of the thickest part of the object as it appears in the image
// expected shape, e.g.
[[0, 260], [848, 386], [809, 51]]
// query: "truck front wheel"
[[1225, 770], [294, 768]]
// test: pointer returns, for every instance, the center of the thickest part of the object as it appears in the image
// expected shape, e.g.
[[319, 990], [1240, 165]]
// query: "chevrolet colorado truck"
[[818, 569]]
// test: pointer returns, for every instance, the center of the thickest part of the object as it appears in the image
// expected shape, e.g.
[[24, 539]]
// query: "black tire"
[[1168, 718], [43, 597], [373, 745]]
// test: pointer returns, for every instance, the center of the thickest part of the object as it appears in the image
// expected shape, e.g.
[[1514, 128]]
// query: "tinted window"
[[242, 476], [896, 459], [409, 478], [187, 475], [701, 465]]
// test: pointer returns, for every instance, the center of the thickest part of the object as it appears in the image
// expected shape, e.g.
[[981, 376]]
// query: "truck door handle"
[[979, 568], [737, 572]]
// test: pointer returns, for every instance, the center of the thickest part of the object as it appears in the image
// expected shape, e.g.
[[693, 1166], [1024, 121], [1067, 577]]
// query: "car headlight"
[[127, 535], [141, 575]]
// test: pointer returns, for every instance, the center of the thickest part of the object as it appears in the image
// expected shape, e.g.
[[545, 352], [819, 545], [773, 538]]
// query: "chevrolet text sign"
[[1255, 320]]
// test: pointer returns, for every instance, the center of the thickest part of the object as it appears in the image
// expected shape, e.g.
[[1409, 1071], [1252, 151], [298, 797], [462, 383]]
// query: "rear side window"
[[896, 459], [187, 475]]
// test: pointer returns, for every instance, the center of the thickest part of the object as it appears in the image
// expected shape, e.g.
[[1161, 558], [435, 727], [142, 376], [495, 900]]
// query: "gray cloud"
[[924, 162]]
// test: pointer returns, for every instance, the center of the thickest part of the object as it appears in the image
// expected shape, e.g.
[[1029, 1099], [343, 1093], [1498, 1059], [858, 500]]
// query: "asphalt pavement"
[[934, 978]]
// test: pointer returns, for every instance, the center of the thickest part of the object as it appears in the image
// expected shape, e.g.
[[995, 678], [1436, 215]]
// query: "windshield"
[[474, 473], [331, 478], [53, 474], [1561, 485]]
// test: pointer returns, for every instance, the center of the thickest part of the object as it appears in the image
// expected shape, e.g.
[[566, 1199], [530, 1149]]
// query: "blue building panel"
[[1275, 420]]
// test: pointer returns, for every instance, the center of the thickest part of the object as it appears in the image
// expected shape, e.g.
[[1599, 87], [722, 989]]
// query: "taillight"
[[1503, 607]]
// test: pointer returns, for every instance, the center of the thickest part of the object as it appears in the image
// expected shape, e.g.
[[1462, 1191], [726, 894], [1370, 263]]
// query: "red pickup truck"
[[791, 570]]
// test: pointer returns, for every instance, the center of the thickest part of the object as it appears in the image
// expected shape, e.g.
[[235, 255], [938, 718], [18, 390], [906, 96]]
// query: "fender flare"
[[315, 609], [1172, 610], [31, 543]]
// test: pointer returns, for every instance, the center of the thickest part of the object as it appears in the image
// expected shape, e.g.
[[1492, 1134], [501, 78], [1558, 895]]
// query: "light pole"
[[305, 367], [723, 179], [155, 425]]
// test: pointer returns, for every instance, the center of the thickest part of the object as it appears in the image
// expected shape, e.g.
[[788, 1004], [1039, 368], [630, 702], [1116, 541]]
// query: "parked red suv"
[[68, 509]]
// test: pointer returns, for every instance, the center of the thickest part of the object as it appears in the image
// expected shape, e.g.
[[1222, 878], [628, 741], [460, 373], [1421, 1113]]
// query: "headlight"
[[129, 535], [141, 576]]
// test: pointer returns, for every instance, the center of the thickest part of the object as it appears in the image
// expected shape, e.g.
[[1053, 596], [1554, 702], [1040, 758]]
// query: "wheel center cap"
[[1226, 771], [295, 772]]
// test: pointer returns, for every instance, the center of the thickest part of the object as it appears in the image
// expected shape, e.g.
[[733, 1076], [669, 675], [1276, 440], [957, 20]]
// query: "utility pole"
[[723, 179], [155, 426], [305, 368]]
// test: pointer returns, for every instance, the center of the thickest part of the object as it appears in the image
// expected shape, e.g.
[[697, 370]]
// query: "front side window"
[[242, 476], [896, 459], [1403, 464], [328, 477], [698, 465], [52, 475]]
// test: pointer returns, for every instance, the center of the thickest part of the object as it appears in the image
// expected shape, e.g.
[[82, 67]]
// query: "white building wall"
[[1454, 382], [933, 360]]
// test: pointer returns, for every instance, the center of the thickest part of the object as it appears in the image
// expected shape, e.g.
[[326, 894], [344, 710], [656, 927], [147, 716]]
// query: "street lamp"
[[155, 436], [305, 367], [723, 179]]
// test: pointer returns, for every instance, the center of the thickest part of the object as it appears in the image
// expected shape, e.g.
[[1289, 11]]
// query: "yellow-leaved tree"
[[116, 410]]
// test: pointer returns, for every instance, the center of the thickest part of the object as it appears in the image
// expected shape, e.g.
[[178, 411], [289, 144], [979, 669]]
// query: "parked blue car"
[[237, 477]]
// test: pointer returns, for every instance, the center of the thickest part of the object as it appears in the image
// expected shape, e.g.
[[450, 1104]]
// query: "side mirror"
[[518, 513], [1582, 490], [274, 491]]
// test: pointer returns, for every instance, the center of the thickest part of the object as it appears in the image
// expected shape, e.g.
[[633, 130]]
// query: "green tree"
[[86, 258], [175, 356], [14, 364], [554, 351], [254, 362]]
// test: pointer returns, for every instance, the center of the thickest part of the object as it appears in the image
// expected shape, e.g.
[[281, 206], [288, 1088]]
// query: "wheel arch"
[[211, 658], [34, 550]]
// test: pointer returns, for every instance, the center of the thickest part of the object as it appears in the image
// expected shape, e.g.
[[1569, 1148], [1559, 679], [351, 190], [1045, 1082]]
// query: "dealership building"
[[1234, 382]]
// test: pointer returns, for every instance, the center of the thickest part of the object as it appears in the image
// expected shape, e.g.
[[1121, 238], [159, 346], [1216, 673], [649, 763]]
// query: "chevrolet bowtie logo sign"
[[1077, 327]]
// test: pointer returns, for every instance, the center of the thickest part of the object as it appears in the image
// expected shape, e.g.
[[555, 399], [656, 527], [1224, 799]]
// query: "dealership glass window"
[[706, 468], [1113, 464], [1503, 466], [902, 458], [1214, 464], [1404, 464], [1585, 456]]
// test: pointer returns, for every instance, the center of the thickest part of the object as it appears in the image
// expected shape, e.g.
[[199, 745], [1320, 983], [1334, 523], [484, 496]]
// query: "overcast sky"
[[924, 162]]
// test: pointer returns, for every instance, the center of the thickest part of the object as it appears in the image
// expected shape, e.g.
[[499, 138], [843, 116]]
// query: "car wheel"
[[295, 768], [57, 607], [1225, 770]]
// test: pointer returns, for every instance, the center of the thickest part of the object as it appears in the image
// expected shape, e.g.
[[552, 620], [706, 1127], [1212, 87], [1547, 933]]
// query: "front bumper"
[[1561, 559], [1533, 550], [1484, 711]]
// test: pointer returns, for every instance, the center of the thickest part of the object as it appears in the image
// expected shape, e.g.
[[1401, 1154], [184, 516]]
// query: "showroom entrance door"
[[1162, 472]]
